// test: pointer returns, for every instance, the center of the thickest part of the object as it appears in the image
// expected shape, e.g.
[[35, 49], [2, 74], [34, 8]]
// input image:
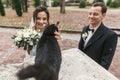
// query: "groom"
[[99, 43]]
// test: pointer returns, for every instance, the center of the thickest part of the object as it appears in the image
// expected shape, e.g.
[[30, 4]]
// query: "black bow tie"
[[91, 30]]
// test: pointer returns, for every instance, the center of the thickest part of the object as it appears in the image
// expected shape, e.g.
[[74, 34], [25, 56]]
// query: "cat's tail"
[[38, 71]]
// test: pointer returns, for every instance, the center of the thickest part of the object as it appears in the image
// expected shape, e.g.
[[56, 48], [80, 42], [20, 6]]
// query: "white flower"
[[19, 33], [26, 38], [18, 39], [84, 35], [34, 32], [31, 43]]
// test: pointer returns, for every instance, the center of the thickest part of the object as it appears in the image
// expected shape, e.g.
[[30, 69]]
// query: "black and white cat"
[[48, 58]]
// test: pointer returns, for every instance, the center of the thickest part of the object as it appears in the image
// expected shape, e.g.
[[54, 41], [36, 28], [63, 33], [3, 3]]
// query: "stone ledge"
[[78, 66], [75, 66], [116, 29]]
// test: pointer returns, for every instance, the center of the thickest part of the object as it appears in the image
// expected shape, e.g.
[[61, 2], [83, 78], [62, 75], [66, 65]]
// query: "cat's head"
[[50, 29]]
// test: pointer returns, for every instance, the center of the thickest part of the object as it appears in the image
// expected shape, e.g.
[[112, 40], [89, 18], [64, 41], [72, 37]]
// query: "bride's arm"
[[58, 37]]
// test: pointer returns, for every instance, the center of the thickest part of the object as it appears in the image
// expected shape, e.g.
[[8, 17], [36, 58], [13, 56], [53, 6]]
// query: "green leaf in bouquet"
[[16, 44], [30, 47], [13, 37], [21, 44], [25, 46]]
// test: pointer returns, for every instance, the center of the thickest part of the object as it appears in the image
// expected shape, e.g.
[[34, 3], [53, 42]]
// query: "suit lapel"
[[84, 31], [81, 43], [98, 34]]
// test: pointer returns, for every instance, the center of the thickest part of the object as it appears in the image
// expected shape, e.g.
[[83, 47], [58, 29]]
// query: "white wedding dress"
[[32, 53]]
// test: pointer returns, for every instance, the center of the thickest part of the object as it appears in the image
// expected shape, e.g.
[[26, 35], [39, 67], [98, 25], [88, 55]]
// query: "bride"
[[39, 21]]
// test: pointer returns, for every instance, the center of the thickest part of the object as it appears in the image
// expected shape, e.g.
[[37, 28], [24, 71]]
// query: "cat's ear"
[[57, 23]]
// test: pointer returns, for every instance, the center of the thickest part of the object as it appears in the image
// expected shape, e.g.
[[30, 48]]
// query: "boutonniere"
[[85, 35]]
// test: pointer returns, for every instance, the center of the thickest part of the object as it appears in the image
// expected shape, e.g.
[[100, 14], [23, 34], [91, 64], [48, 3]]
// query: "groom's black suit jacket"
[[101, 46]]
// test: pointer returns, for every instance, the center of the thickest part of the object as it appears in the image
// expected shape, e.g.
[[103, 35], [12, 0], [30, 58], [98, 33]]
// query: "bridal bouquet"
[[26, 38]]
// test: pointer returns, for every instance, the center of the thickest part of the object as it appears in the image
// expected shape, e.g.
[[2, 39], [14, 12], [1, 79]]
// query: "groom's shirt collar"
[[95, 28]]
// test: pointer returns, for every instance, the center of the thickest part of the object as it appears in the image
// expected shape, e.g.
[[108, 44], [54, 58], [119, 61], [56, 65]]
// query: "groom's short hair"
[[102, 5]]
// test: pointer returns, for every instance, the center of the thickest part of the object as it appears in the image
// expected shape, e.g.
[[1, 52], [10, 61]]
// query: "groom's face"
[[95, 16]]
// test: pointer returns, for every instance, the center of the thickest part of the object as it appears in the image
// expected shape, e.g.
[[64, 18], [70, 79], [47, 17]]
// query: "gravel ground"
[[10, 54]]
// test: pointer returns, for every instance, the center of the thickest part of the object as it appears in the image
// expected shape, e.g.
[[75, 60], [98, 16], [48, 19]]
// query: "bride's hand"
[[58, 37]]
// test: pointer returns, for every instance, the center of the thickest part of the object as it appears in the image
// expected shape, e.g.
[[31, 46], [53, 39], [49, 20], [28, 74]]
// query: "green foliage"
[[37, 3], [109, 2], [18, 7], [55, 3], [98, 1], [44, 3], [2, 11], [7, 3], [114, 4], [82, 4], [119, 2]]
